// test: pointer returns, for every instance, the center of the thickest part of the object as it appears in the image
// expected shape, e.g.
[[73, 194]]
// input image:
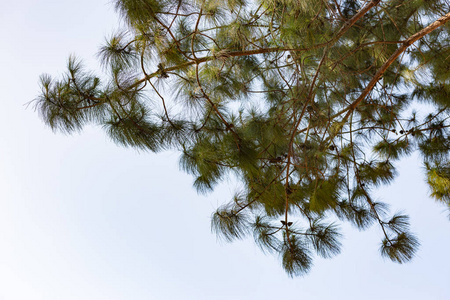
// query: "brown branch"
[[408, 42], [351, 22], [412, 39]]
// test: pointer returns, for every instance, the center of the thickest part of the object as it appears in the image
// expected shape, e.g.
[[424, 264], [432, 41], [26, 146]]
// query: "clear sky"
[[81, 218]]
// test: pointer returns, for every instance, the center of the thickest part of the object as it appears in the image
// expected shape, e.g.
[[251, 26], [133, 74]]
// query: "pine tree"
[[308, 103]]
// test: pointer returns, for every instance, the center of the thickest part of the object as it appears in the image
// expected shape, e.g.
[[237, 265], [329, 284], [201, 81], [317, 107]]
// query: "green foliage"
[[438, 175], [357, 214], [393, 149], [71, 102], [400, 248], [376, 173], [325, 239], [398, 223], [307, 103], [265, 234], [112, 54], [229, 222], [296, 258]]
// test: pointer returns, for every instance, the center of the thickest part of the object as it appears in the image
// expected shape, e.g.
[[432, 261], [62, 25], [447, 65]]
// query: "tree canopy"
[[308, 104]]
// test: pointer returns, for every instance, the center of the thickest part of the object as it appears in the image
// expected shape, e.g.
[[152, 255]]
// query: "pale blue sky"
[[81, 218]]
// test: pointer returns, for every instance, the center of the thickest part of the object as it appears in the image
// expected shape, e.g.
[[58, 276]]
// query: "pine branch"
[[408, 42]]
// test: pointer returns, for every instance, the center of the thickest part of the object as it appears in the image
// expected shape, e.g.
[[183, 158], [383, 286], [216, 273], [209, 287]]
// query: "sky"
[[82, 218]]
